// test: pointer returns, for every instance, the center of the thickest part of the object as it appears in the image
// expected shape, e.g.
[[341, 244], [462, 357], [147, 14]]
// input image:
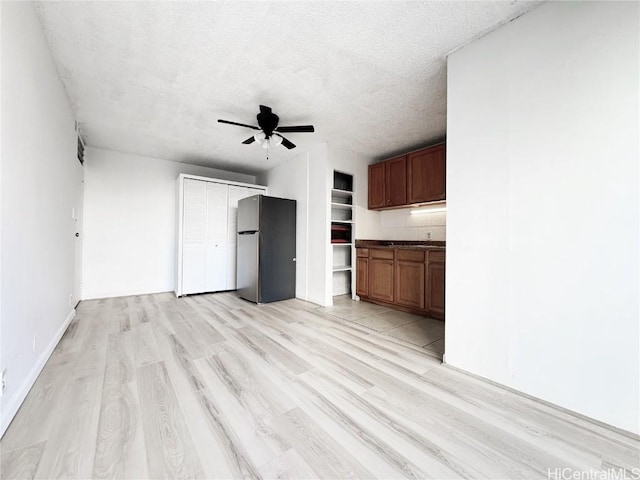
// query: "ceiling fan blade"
[[299, 128], [249, 140], [286, 143], [238, 124]]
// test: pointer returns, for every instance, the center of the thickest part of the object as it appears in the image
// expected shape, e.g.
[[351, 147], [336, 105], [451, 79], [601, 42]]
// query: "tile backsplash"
[[401, 225]]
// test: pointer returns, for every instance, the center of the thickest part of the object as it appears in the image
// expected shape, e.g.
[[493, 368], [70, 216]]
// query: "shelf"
[[341, 206], [341, 268], [341, 193]]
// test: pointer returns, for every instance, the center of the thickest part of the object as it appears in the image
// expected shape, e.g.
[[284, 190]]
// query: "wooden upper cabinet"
[[377, 185], [418, 177], [426, 175], [396, 181]]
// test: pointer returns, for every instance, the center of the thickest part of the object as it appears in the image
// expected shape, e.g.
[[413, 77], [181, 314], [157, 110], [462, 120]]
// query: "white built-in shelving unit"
[[342, 231]]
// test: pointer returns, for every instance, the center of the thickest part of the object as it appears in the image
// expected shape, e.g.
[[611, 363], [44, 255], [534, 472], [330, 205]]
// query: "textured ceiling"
[[153, 77]]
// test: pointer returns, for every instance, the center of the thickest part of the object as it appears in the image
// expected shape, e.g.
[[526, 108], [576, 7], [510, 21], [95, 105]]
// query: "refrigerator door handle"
[[251, 232]]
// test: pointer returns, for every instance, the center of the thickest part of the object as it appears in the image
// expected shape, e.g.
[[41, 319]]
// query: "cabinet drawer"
[[384, 253], [362, 252], [410, 255], [436, 256]]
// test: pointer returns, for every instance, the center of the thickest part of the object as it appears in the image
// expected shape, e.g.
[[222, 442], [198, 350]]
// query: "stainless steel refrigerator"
[[266, 249]]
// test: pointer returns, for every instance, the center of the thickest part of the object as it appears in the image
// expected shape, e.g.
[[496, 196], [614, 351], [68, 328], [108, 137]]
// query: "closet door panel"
[[216, 251], [194, 236], [216, 268], [193, 268], [217, 213], [195, 212]]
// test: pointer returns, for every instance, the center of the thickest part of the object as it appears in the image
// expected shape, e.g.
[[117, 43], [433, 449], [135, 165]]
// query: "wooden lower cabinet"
[[381, 279], [410, 284], [362, 277], [435, 293], [435, 282], [410, 279]]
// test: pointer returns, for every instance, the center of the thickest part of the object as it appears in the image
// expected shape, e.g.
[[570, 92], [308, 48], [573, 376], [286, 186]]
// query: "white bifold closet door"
[[204, 248]]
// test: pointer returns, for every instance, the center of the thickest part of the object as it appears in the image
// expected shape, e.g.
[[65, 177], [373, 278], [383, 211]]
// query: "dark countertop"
[[431, 244]]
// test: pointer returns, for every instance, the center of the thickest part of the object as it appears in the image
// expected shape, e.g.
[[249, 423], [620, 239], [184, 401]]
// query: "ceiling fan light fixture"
[[260, 137], [276, 140]]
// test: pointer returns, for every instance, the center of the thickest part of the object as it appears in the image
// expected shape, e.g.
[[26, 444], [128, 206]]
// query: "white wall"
[[129, 222], [399, 224], [40, 180], [303, 178], [543, 208], [308, 178], [289, 180]]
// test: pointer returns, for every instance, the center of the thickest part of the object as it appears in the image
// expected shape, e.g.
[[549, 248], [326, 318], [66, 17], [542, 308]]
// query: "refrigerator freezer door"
[[249, 214], [247, 280]]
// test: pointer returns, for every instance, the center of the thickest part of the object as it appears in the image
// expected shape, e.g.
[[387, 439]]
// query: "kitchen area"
[[401, 275], [368, 246]]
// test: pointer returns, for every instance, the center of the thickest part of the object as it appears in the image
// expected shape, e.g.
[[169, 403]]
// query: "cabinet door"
[[376, 185], [194, 236], [410, 284], [381, 279], [427, 175], [396, 181], [362, 277], [236, 193], [435, 290]]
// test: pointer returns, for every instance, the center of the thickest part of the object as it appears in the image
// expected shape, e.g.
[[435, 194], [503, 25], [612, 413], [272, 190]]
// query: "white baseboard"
[[10, 410], [311, 300], [600, 423]]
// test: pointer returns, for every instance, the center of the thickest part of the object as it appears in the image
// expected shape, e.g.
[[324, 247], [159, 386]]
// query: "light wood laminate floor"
[[211, 386]]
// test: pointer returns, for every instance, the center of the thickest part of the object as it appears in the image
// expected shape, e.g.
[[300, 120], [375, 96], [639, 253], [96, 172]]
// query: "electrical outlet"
[[428, 235], [4, 381], [34, 342]]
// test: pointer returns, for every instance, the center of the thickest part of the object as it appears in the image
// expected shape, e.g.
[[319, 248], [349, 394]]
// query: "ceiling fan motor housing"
[[267, 120]]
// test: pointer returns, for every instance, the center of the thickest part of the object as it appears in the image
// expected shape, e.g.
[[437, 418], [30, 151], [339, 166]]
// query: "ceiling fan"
[[268, 130]]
